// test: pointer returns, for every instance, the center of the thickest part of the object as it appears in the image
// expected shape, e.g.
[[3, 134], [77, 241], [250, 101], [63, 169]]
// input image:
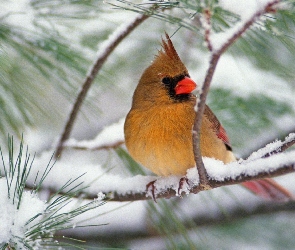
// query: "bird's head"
[[166, 79]]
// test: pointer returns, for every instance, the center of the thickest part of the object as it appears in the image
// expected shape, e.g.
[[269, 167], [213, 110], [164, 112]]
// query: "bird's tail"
[[269, 190]]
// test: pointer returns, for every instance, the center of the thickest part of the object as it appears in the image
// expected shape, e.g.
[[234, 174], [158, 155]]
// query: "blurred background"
[[48, 47]]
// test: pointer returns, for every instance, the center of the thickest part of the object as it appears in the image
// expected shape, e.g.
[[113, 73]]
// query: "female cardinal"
[[158, 128]]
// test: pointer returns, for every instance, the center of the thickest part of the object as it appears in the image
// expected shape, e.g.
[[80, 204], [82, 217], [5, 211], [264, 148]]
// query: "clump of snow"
[[271, 147], [290, 137], [219, 171], [164, 183], [100, 196], [18, 13], [12, 220], [108, 136]]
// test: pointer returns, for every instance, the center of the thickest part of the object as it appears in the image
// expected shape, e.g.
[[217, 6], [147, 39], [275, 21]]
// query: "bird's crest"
[[169, 49], [167, 62]]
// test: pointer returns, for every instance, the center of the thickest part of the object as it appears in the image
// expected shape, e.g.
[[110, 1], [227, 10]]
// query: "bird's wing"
[[217, 127]]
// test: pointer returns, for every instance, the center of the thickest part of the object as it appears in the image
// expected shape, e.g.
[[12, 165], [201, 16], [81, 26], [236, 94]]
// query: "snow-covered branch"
[[120, 188], [168, 187], [218, 44], [105, 50], [219, 175]]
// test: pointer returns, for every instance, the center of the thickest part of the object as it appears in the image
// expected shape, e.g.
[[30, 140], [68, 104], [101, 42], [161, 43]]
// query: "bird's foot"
[[181, 183], [151, 186]]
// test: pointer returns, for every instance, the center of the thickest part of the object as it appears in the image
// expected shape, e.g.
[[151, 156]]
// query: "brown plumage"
[[158, 128]]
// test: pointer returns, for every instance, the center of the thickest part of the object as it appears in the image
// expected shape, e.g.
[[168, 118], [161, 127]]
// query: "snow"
[[244, 8], [244, 79], [290, 137], [13, 221], [115, 35], [271, 147], [20, 13], [110, 135], [218, 171]]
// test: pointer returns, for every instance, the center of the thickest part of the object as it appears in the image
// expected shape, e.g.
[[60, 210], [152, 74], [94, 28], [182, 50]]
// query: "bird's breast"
[[161, 138]]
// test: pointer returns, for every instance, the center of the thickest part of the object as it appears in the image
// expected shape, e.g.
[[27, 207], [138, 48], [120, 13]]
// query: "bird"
[[158, 127]]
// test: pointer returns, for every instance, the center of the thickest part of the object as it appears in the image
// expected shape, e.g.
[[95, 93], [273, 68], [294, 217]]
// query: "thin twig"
[[205, 89], [91, 76], [198, 121], [207, 26], [285, 145]]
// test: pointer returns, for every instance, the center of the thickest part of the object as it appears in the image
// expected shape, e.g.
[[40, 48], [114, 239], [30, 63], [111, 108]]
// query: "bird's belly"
[[162, 152]]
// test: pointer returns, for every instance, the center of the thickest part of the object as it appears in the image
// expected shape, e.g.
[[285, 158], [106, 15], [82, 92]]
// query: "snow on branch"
[[273, 148], [218, 43], [122, 188], [219, 174]]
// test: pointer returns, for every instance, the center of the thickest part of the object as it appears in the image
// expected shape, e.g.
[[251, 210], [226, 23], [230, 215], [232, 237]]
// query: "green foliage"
[[38, 60], [247, 117], [31, 65]]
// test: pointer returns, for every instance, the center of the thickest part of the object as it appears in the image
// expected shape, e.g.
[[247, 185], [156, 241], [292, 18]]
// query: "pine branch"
[[112, 43], [216, 53]]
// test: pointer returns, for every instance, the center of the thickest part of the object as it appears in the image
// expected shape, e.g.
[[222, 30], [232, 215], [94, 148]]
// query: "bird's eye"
[[166, 80]]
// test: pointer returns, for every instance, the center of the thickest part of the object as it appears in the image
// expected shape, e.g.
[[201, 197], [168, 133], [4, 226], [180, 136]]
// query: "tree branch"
[[115, 196], [267, 151], [216, 53], [169, 192], [282, 168], [286, 144], [198, 122], [230, 216], [101, 147], [112, 43]]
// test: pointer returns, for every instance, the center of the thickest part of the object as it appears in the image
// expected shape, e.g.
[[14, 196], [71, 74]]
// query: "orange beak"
[[185, 86]]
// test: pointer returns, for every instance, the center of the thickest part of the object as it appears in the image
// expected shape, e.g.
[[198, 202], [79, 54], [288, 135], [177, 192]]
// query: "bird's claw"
[[151, 186], [180, 186]]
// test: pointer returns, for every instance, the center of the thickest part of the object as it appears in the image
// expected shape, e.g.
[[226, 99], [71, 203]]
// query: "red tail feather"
[[268, 189]]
